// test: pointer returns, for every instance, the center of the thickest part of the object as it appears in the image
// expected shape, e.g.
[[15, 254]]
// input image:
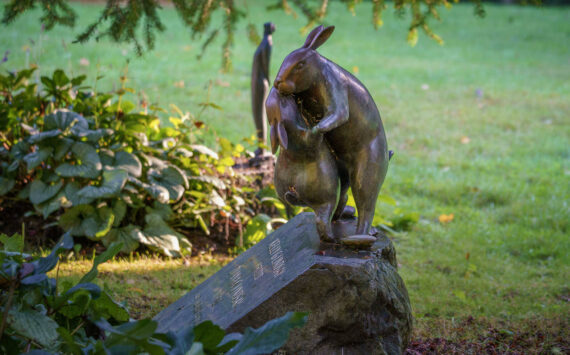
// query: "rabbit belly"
[[314, 183]]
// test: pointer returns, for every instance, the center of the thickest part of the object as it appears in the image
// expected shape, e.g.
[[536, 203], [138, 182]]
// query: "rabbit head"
[[278, 134], [301, 67]]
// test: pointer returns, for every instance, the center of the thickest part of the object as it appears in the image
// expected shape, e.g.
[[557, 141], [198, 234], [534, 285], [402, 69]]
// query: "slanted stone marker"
[[358, 303]]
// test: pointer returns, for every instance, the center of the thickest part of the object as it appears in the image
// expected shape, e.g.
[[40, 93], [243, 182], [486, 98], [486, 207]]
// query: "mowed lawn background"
[[480, 128]]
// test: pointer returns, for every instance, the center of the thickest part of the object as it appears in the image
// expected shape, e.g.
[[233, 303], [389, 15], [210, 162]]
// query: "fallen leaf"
[[465, 140], [84, 62], [445, 218], [222, 83], [136, 289], [179, 84]]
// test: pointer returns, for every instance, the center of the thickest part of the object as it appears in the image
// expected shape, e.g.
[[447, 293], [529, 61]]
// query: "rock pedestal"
[[358, 303]]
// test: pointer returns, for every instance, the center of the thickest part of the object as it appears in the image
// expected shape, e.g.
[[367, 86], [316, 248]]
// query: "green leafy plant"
[[37, 313], [110, 173]]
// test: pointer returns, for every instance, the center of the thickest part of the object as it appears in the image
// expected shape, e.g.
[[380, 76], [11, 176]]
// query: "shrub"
[[109, 172]]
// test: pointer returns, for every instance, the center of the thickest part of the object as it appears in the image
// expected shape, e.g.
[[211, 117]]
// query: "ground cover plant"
[[480, 131], [40, 315]]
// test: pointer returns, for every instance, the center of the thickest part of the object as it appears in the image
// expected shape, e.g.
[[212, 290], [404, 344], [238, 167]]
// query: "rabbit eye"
[[300, 65]]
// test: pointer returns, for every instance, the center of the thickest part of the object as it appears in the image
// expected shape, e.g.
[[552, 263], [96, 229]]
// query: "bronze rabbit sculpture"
[[260, 82], [339, 106], [305, 171]]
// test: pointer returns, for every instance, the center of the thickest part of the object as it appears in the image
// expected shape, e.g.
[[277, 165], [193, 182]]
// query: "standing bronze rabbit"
[[305, 171], [338, 105]]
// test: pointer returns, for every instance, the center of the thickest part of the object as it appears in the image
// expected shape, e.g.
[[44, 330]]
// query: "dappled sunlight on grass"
[[146, 284]]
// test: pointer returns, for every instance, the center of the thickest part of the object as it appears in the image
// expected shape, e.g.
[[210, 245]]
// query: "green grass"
[[504, 256]]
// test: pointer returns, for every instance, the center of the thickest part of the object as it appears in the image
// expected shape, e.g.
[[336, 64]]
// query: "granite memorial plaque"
[[247, 281]]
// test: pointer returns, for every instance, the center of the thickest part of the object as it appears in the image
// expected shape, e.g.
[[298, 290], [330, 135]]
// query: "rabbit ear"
[[321, 37], [274, 139], [282, 135], [312, 35]]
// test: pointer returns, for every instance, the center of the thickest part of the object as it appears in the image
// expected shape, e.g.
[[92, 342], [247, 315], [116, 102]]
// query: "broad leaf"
[[34, 159], [52, 205], [159, 236], [171, 179], [71, 193], [84, 220], [87, 165], [119, 210], [209, 334], [6, 184], [64, 119], [41, 192], [105, 307], [128, 162], [113, 182], [157, 192], [38, 137], [127, 236], [269, 337], [14, 243], [34, 325], [257, 228], [77, 305], [62, 147]]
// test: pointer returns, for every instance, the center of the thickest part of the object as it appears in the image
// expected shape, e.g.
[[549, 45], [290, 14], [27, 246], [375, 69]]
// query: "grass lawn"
[[480, 128]]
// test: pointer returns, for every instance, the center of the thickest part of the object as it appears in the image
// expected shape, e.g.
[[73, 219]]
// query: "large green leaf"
[[52, 205], [257, 228], [84, 220], [127, 236], [33, 325], [128, 162], [157, 192], [62, 147], [100, 224], [41, 192], [76, 305], [119, 210], [171, 179], [6, 184], [34, 159], [158, 235], [40, 136], [105, 307], [87, 165], [113, 182], [64, 119], [71, 193], [15, 243], [270, 336], [107, 156]]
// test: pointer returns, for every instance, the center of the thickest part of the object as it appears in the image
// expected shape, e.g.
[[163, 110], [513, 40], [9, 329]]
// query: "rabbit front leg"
[[337, 112], [323, 215]]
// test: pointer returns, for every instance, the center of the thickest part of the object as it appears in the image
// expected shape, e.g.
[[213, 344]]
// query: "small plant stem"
[[78, 327], [7, 307]]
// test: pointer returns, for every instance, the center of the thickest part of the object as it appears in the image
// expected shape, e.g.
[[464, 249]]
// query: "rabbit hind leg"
[[323, 215]]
